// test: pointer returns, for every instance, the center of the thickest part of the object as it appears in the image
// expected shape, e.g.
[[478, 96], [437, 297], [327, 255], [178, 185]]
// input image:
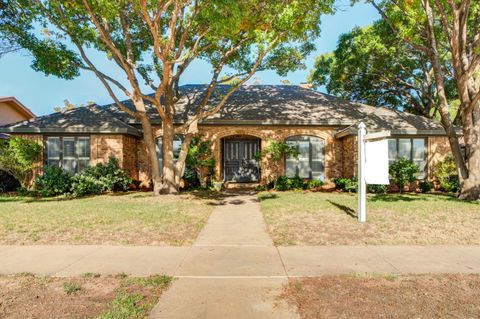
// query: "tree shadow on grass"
[[350, 212], [265, 196]]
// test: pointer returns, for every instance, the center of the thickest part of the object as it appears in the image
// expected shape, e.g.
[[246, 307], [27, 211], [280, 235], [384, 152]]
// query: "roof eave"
[[72, 130], [435, 132]]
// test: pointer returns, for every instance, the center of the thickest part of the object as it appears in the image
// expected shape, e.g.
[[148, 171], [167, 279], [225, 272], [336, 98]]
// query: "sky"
[[42, 93]]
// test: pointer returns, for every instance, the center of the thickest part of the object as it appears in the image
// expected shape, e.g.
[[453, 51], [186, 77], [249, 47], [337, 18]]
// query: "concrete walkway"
[[233, 270]]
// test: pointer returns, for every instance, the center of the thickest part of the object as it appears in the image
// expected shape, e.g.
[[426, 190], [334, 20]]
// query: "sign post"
[[362, 185], [372, 164]]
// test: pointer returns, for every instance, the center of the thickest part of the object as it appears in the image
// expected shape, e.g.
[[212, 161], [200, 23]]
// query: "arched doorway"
[[239, 156]]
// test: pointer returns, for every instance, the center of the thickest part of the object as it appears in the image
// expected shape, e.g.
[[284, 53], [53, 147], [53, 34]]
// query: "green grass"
[[126, 219], [71, 287], [306, 218]]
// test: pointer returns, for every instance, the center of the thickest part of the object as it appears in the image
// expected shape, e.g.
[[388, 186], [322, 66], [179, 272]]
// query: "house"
[[322, 126], [11, 111]]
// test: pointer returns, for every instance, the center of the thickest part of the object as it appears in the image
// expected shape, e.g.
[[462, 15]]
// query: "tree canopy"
[[154, 42], [373, 65]]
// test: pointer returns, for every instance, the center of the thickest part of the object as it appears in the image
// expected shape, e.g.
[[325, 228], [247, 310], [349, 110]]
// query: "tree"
[[18, 157], [275, 152], [156, 41], [67, 106], [444, 28], [372, 65]]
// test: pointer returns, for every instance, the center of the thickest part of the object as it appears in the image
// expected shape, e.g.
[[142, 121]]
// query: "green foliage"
[[377, 189], [110, 175], [199, 163], [346, 184], [373, 65], [85, 184], [403, 172], [18, 157], [447, 174], [71, 287], [284, 183], [275, 152], [425, 186], [101, 178], [314, 184], [54, 181]]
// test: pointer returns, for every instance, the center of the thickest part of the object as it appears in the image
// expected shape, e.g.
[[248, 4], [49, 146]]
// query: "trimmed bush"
[[284, 183], [377, 189], [101, 178], [346, 184], [85, 184], [314, 184], [54, 181], [447, 174], [425, 186], [403, 172]]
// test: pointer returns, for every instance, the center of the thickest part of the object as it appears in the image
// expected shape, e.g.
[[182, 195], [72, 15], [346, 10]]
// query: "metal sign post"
[[362, 185], [363, 170]]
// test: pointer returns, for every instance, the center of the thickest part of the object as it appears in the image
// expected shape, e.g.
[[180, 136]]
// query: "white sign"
[[376, 162], [372, 164]]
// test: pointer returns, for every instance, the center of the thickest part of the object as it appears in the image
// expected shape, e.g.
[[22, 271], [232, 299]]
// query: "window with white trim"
[[72, 153], [413, 149], [310, 162]]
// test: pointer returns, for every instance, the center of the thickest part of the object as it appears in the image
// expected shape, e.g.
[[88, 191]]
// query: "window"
[[310, 162], [177, 145], [70, 153], [413, 149]]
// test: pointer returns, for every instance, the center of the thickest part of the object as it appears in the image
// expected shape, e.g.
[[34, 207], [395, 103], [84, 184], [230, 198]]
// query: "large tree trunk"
[[168, 132], [470, 186], [150, 144]]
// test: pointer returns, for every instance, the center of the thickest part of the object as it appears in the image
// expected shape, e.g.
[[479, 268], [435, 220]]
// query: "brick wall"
[[215, 133], [350, 159]]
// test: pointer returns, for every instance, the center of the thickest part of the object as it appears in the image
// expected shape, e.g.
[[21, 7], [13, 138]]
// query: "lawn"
[[88, 296], [309, 218], [377, 296], [123, 219]]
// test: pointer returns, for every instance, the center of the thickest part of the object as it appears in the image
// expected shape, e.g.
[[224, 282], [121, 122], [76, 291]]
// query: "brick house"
[[322, 126]]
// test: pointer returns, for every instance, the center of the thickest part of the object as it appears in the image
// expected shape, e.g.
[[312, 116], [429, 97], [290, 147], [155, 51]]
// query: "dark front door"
[[240, 164]]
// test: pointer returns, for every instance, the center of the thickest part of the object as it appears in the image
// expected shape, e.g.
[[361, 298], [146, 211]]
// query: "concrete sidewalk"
[[238, 261], [233, 270]]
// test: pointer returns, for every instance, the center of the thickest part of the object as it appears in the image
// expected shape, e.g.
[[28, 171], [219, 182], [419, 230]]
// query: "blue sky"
[[41, 93]]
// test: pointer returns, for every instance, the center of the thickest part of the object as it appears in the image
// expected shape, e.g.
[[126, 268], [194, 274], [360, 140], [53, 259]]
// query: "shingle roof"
[[251, 104]]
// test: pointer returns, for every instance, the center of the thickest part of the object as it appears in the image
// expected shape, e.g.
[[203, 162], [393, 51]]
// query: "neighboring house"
[[322, 126], [11, 111]]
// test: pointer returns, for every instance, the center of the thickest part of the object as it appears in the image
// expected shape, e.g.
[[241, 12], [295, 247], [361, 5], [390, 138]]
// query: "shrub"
[[8, 183], [85, 184], [314, 184], [403, 172], [54, 181], [447, 174], [284, 183], [275, 152], [18, 157], [377, 189], [346, 184], [110, 175], [100, 178], [199, 163], [425, 186]]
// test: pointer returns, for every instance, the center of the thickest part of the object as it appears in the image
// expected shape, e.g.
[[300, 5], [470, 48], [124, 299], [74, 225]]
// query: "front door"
[[239, 158]]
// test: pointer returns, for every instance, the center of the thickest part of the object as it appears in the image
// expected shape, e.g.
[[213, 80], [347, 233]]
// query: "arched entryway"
[[240, 159]]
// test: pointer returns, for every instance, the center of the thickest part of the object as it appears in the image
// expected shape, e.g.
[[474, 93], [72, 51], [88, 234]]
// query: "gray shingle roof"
[[252, 104]]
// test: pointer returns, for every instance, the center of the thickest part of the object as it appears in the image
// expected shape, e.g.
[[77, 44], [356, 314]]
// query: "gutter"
[[36, 130]]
